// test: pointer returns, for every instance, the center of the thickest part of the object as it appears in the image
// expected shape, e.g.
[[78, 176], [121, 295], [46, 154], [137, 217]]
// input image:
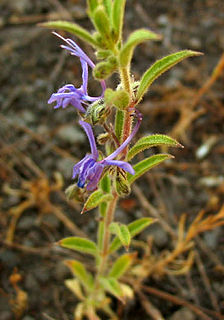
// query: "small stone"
[[9, 258], [71, 134], [212, 237], [6, 315], [160, 237], [28, 318], [61, 271], [163, 20], [195, 43], [27, 116], [183, 313], [30, 282], [26, 222], [51, 220], [42, 274], [65, 166]]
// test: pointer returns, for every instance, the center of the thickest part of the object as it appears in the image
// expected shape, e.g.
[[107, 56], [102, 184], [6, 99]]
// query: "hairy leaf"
[[134, 228], [152, 141], [102, 22], [79, 244], [121, 265], [147, 164], [134, 39], [160, 67], [95, 199], [118, 17], [122, 232], [79, 270], [72, 28], [112, 286]]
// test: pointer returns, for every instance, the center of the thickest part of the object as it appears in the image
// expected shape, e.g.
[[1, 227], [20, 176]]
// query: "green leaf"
[[108, 6], [118, 17], [72, 28], [160, 67], [103, 70], [146, 164], [92, 5], [122, 232], [119, 98], [121, 265], [134, 39], [79, 244], [75, 286], [134, 228], [95, 199], [119, 121], [152, 141], [79, 270], [105, 184], [102, 22], [112, 286]]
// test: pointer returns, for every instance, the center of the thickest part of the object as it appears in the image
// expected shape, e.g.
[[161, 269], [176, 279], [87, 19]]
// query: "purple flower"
[[90, 170], [68, 94]]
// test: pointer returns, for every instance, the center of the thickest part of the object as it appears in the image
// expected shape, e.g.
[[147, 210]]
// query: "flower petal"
[[77, 166], [121, 164], [95, 173], [89, 132]]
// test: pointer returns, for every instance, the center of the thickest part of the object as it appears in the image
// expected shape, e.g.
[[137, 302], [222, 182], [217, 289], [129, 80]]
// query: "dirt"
[[37, 141]]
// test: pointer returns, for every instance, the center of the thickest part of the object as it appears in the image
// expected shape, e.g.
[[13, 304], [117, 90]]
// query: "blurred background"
[[39, 146]]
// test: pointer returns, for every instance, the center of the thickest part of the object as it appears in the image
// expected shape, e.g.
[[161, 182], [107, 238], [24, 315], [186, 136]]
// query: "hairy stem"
[[106, 238]]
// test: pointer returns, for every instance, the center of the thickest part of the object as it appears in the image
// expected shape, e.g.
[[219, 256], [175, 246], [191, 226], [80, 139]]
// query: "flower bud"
[[104, 69], [97, 113], [75, 193], [103, 138], [121, 183]]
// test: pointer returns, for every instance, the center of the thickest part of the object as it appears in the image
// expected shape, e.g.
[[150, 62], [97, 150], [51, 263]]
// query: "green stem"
[[106, 237]]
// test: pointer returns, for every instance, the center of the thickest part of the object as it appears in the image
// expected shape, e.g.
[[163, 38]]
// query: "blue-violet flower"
[[89, 169], [68, 94]]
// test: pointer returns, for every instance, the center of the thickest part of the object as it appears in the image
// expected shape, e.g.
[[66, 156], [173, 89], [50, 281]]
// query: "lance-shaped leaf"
[[92, 5], [79, 270], [112, 286], [122, 232], [95, 199], [118, 17], [121, 265], [147, 164], [134, 39], [152, 141], [160, 67], [79, 311], [75, 286], [79, 244], [72, 28], [134, 228], [102, 22], [108, 6]]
